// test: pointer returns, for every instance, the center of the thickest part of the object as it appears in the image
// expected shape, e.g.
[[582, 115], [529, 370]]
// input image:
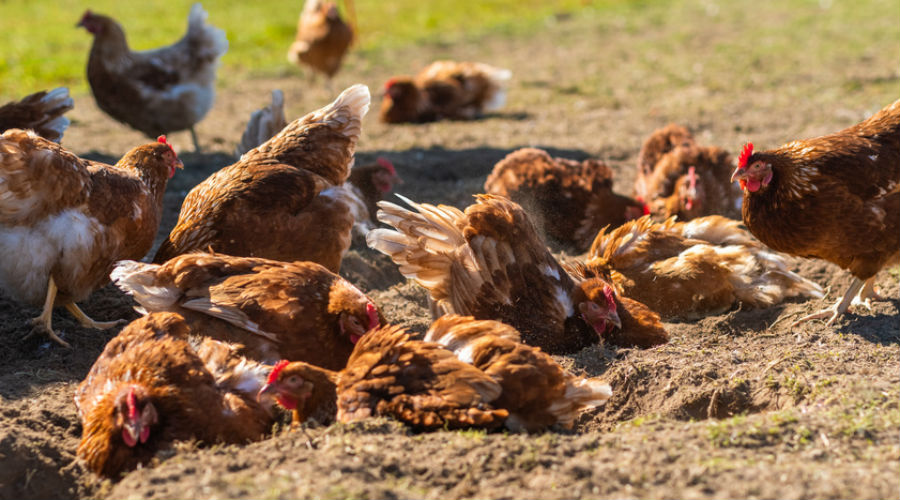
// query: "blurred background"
[[722, 43]]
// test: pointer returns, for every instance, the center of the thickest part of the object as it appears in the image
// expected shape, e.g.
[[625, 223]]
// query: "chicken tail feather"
[[139, 280]]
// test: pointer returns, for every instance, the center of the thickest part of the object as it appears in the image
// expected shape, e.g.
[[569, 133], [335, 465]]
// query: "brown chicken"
[[536, 391], [391, 375], [445, 90], [264, 123], [569, 200], [660, 142], [692, 181], [155, 91], [282, 200], [42, 112], [424, 385], [490, 263], [150, 388], [276, 310], [370, 184], [65, 221], [835, 197], [323, 38], [690, 270]]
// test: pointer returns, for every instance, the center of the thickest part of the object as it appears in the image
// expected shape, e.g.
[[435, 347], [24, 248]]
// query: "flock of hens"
[[244, 312]]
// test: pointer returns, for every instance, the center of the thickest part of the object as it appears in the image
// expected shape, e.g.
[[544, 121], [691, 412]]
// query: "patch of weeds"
[[878, 413], [776, 427], [474, 434]]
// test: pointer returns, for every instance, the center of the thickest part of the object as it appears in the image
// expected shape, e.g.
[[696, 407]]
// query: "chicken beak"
[[267, 392], [131, 433], [613, 318], [739, 174]]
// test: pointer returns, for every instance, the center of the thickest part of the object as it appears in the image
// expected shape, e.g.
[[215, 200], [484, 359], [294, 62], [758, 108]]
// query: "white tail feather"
[[139, 280]]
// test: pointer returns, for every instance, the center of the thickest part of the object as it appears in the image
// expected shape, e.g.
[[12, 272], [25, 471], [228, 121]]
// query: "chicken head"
[[752, 175], [357, 314], [135, 414], [93, 23], [599, 307], [386, 177]]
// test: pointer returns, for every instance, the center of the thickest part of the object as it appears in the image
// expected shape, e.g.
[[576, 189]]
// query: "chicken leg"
[[839, 307], [194, 138], [867, 294], [86, 320], [42, 323]]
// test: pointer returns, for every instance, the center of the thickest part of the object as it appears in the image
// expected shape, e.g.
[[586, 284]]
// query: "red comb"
[[389, 83], [162, 140], [132, 403], [745, 155], [276, 370], [610, 297], [384, 162], [373, 316], [645, 208]]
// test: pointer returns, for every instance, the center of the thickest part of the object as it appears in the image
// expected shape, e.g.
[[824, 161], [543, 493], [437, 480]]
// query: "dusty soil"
[[738, 405]]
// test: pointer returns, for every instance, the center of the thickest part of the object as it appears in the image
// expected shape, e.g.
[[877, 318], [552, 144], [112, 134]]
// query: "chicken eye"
[[293, 380]]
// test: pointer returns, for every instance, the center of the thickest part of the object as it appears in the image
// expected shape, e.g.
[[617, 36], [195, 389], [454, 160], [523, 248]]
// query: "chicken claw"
[[86, 320], [867, 294], [42, 323], [839, 308]]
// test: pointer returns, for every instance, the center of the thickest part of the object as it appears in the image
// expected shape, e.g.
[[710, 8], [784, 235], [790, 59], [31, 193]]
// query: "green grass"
[[739, 41], [42, 47]]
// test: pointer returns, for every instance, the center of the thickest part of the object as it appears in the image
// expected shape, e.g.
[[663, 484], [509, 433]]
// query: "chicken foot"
[[840, 307], [86, 320], [867, 294], [42, 324], [297, 425]]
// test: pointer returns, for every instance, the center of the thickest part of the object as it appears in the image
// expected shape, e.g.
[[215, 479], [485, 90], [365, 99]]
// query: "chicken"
[[263, 124], [150, 388], [445, 90], [323, 38], [282, 200], [569, 200], [835, 197], [298, 311], [158, 91], [307, 390], [490, 263], [693, 269], [536, 391], [466, 373], [366, 185], [42, 112], [64, 221], [692, 181], [370, 184], [390, 375], [660, 142]]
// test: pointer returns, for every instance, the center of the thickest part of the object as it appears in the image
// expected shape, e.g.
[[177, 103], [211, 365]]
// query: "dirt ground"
[[735, 406]]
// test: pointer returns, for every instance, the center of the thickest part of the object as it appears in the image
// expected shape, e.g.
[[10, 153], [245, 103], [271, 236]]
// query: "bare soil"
[[738, 405]]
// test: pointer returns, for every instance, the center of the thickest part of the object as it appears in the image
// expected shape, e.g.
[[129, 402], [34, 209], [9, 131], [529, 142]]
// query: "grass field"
[[42, 47]]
